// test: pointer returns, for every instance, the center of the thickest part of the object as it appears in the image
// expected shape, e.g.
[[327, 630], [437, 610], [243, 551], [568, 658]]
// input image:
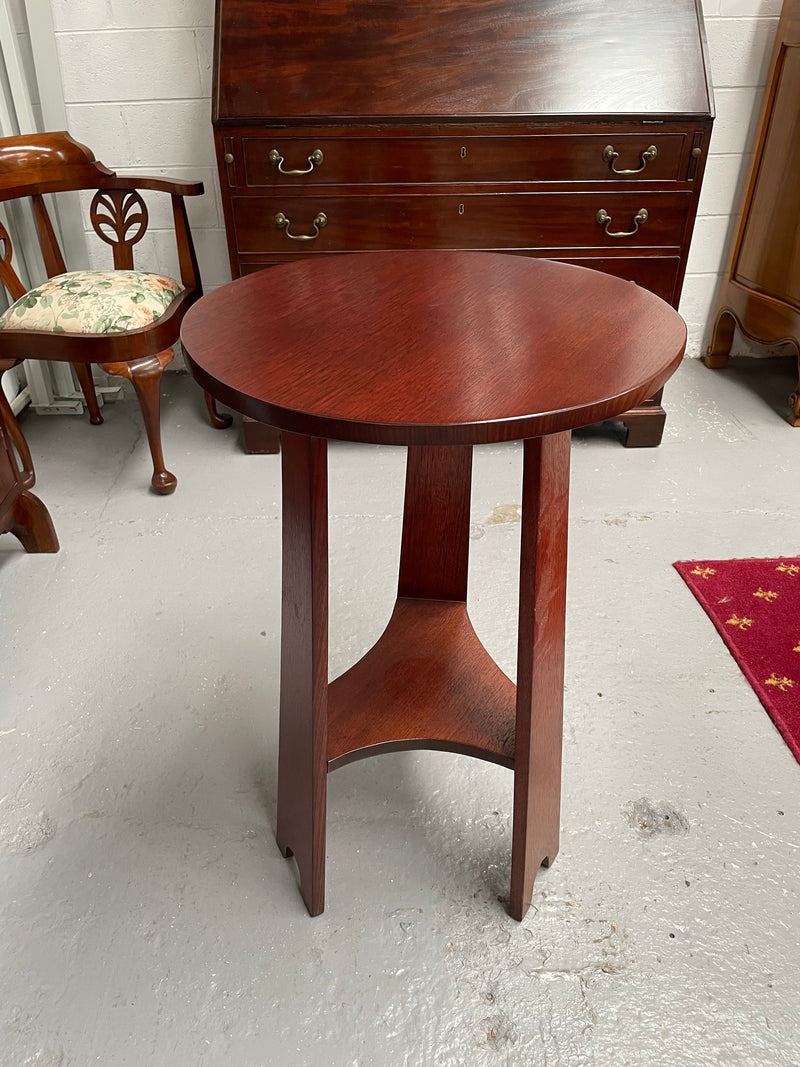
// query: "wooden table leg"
[[433, 566], [434, 554], [540, 663], [302, 756]]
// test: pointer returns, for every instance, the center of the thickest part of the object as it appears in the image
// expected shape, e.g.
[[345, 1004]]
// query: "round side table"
[[437, 351]]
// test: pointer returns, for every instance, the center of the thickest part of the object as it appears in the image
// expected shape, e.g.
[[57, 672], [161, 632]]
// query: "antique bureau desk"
[[575, 130]]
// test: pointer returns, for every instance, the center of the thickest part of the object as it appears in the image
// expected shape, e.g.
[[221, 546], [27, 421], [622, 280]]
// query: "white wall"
[[15, 10], [136, 76], [137, 84]]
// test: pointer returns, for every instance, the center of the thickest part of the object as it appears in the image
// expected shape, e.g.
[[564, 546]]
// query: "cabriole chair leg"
[[145, 373]]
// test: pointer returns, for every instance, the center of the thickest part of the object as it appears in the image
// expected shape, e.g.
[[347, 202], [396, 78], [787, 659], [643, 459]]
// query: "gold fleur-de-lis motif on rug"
[[766, 594], [740, 624], [704, 572], [784, 684], [788, 568], [796, 647]]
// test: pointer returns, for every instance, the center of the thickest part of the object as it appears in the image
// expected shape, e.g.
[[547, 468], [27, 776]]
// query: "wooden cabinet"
[[576, 132], [760, 292]]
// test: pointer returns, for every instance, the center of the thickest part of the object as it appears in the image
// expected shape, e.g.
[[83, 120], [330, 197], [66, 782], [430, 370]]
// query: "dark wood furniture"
[[34, 165], [573, 131], [21, 513], [438, 351], [760, 291]]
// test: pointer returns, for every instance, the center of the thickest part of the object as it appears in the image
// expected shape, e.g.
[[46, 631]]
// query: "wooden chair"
[[125, 320], [21, 513]]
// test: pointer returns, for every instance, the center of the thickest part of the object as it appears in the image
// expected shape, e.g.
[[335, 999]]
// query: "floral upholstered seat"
[[93, 301]]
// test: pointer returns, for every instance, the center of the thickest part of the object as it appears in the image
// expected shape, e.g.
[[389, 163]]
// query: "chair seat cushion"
[[93, 301]]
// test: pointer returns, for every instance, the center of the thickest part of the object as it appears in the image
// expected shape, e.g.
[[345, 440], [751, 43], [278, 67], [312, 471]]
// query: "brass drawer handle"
[[602, 218], [314, 160], [283, 223], [610, 157]]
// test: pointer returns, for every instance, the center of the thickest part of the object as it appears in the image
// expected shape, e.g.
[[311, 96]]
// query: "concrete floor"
[[146, 915]]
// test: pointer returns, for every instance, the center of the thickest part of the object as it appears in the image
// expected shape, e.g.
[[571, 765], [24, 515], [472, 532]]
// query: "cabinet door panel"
[[769, 254]]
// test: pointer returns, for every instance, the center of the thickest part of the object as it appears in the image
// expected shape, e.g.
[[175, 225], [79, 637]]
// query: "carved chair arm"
[[158, 185]]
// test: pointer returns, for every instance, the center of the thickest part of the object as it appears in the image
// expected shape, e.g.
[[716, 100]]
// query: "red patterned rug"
[[755, 605]]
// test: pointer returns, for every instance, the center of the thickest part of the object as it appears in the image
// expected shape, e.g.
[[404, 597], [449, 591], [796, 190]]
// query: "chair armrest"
[[159, 185]]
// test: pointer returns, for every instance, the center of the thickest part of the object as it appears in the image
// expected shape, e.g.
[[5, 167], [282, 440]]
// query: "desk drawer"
[[316, 223], [419, 160], [658, 273]]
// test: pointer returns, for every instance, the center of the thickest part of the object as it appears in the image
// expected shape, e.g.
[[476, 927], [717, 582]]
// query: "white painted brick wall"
[[137, 86], [16, 13]]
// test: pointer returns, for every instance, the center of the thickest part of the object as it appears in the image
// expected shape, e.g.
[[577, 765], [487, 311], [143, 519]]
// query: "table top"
[[368, 59], [431, 347]]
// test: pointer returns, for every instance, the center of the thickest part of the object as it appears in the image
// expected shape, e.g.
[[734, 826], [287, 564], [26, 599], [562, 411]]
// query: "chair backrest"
[[47, 163], [30, 166], [36, 164]]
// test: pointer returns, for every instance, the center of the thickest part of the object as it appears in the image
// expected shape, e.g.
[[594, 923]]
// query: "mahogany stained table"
[[438, 351]]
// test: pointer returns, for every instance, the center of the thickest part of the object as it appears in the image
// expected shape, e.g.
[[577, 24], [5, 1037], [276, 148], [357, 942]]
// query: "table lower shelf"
[[428, 682]]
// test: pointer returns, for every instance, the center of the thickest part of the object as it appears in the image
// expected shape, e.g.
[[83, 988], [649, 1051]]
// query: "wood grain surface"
[[540, 663], [302, 768], [292, 59], [436, 350], [431, 347]]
